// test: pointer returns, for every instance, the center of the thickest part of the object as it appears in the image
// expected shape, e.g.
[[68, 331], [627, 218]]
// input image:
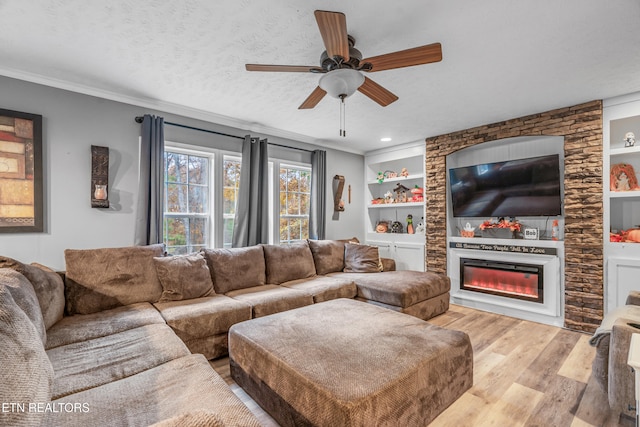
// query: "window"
[[231, 181], [187, 202], [294, 195]]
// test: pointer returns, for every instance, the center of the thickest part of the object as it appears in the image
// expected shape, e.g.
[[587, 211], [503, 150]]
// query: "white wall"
[[73, 122]]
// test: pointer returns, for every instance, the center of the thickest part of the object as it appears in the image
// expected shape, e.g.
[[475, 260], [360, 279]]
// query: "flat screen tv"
[[522, 187]]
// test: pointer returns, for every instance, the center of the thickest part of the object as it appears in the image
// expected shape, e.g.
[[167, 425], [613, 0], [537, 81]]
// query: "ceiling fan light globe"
[[342, 82]]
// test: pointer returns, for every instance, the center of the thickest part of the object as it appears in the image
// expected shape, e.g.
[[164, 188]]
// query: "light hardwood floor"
[[525, 374]]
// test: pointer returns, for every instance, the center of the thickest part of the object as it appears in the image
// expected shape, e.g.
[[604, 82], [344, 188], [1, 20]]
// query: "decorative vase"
[[100, 192]]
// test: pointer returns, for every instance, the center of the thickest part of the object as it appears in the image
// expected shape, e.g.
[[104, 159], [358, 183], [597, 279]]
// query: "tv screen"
[[522, 187]]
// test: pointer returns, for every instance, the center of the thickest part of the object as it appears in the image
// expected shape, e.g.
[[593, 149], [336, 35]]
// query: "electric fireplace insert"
[[506, 279]]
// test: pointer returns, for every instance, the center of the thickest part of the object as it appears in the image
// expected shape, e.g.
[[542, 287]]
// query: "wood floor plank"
[[560, 403], [541, 372], [577, 366], [513, 409]]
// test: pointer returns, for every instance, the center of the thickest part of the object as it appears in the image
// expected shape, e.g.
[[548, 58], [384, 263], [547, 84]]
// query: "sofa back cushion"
[[361, 259], [328, 255], [183, 277], [288, 262], [47, 284], [101, 279], [27, 372], [236, 268]]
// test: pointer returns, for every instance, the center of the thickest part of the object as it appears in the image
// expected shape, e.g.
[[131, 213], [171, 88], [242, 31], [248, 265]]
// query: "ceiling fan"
[[342, 64]]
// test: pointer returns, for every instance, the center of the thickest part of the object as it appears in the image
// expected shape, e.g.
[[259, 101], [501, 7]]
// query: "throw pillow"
[[183, 277], [361, 259], [236, 268], [102, 279], [25, 297], [288, 262], [328, 255], [48, 285]]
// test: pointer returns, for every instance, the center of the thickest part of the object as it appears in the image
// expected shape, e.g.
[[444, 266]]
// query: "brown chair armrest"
[[388, 264]]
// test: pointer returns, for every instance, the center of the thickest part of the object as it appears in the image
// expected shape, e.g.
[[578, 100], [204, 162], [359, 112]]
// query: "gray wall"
[[73, 122]]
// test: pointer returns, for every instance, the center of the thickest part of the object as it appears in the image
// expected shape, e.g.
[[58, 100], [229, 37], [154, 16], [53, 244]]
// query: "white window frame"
[[274, 189], [215, 217]]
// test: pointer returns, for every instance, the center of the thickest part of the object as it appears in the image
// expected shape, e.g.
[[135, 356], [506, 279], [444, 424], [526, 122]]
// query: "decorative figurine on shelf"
[[629, 139], [417, 194], [467, 231], [380, 177], [404, 173], [420, 226], [396, 227], [382, 227], [390, 174], [388, 197], [401, 193], [410, 229], [623, 178]]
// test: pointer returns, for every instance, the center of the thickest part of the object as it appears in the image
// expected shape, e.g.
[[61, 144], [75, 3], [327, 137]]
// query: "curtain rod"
[[140, 118]]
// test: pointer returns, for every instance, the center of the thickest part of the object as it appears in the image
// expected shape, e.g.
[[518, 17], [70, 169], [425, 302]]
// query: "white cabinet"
[[405, 248], [621, 205]]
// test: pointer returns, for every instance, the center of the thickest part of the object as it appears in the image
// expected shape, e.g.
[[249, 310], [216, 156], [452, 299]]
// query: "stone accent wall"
[[581, 126]]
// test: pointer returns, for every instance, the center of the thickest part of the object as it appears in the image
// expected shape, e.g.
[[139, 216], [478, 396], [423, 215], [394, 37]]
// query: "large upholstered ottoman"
[[348, 363]]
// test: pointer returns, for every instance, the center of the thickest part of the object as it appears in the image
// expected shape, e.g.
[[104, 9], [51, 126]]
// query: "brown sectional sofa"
[[123, 336]]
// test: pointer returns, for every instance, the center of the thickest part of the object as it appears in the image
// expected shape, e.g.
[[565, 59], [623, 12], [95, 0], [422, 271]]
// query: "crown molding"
[[182, 110]]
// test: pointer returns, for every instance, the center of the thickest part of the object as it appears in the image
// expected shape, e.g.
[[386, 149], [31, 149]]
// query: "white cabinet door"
[[622, 277], [409, 256]]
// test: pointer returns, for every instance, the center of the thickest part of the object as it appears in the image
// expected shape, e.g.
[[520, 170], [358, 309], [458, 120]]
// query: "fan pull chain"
[[343, 131]]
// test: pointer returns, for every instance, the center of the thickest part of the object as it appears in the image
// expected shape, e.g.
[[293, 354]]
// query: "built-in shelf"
[[396, 205], [624, 151], [624, 194], [399, 179]]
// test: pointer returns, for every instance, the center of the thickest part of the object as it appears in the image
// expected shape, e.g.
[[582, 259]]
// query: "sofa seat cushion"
[[48, 285], [399, 288], [269, 299], [87, 364], [25, 297], [84, 327], [324, 288], [288, 262], [236, 268], [180, 386], [27, 374], [101, 279], [203, 317]]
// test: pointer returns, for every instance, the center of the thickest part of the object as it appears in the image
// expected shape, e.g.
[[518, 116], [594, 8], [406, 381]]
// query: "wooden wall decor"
[[338, 203], [99, 176], [21, 182]]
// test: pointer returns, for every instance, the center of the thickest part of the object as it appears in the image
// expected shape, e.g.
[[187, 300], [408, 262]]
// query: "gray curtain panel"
[[251, 225], [317, 207], [148, 228]]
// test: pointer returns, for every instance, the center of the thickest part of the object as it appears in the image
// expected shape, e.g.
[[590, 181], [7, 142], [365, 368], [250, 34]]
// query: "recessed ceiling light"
[[385, 139]]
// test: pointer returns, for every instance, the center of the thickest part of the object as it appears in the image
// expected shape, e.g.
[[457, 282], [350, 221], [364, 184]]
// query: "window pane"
[[293, 204], [305, 182], [180, 173], [283, 203], [304, 228], [198, 170], [175, 231], [284, 230], [294, 228], [198, 199], [197, 231], [227, 232], [171, 170], [304, 204], [177, 198], [293, 176], [283, 180], [231, 173]]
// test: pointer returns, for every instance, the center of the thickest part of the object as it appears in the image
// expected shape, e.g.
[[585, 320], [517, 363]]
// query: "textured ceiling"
[[501, 59]]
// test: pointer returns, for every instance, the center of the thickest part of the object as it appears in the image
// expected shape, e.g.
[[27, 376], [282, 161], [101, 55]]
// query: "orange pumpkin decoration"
[[633, 236]]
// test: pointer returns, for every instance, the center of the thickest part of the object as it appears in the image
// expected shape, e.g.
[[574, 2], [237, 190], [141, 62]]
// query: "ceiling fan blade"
[[284, 68], [313, 99], [333, 28], [376, 92], [406, 58]]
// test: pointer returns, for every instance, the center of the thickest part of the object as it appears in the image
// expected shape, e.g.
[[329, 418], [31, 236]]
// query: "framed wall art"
[[21, 186]]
